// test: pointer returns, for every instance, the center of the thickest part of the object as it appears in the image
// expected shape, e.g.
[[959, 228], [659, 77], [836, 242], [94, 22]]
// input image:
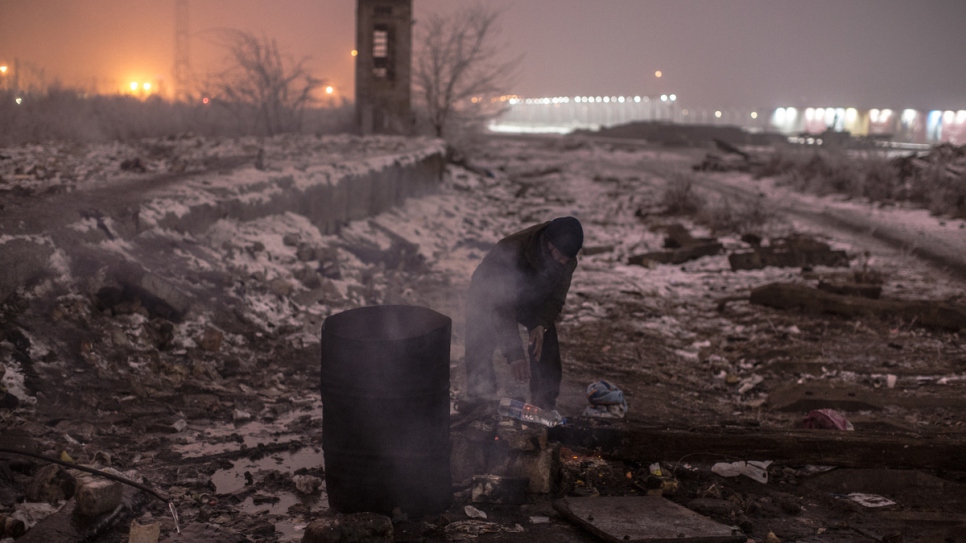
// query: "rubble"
[[923, 313], [793, 252], [96, 496], [368, 527]]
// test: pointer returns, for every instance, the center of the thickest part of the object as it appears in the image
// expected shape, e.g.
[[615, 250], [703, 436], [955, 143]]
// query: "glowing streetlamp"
[[354, 53], [146, 86], [3, 70], [329, 90], [658, 74], [134, 85]]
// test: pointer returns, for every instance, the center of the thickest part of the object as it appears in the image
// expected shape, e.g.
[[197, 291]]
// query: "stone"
[[280, 287], [772, 538], [498, 489], [291, 240], [144, 533], [51, 483], [467, 458], [518, 439], [23, 262], [541, 469], [197, 532], [307, 484], [211, 339], [305, 253], [96, 495], [354, 528]]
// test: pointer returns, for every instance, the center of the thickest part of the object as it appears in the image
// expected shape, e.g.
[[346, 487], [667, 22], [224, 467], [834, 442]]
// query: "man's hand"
[[520, 370], [536, 342]]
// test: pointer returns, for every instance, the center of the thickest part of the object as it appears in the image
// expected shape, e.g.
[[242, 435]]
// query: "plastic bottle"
[[529, 413]]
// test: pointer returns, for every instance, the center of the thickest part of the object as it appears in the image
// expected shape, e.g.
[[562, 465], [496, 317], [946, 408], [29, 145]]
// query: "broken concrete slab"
[[23, 261], [851, 288], [793, 252], [197, 532], [677, 256], [644, 519], [867, 449], [368, 527], [96, 496], [804, 298], [497, 489]]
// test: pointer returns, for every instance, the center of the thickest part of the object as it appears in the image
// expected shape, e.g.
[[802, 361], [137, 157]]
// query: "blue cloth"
[[606, 401]]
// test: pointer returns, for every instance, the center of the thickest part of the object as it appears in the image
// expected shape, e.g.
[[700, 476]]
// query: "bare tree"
[[460, 67], [275, 90]]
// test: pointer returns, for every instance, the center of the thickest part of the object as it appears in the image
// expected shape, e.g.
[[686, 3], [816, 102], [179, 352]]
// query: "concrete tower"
[[384, 42]]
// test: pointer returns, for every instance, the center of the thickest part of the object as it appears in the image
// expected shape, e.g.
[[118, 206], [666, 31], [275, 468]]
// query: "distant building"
[[384, 45]]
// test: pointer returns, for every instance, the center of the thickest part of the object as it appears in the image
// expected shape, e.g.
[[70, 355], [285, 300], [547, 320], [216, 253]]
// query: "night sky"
[[718, 53]]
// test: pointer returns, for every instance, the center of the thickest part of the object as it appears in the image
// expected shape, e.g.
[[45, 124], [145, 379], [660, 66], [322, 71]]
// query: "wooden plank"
[[631, 442], [644, 519]]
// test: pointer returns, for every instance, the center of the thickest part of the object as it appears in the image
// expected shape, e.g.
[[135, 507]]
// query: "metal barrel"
[[385, 409]]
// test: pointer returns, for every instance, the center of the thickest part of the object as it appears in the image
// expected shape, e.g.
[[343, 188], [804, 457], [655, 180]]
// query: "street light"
[[658, 74], [3, 70]]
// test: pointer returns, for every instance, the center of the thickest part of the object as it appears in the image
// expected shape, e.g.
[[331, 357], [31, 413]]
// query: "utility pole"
[[181, 66]]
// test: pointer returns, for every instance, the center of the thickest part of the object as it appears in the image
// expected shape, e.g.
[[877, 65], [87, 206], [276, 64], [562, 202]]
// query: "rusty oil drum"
[[385, 409]]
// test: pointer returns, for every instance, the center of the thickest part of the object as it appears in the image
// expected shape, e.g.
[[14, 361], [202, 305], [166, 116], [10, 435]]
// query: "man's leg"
[[480, 345], [546, 373]]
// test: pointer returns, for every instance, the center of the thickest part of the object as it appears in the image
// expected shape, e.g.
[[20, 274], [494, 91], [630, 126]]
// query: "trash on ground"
[[826, 419], [473, 512], [606, 401], [752, 469], [870, 500], [529, 413], [644, 518]]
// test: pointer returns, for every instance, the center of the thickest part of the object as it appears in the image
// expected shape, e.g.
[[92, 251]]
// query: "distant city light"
[[146, 86], [18, 100], [948, 116], [658, 73], [961, 116], [637, 98], [874, 115], [330, 90], [673, 97], [851, 114], [909, 115], [204, 100], [620, 99], [354, 52], [717, 114], [791, 113], [664, 98], [754, 114], [134, 85]]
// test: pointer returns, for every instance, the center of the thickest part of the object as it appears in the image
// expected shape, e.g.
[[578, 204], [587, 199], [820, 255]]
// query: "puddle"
[[231, 480], [217, 439]]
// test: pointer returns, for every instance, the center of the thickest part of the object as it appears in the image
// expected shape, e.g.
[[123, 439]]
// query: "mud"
[[224, 430]]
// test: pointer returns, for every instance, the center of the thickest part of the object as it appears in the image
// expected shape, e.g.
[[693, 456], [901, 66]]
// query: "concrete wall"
[[325, 197]]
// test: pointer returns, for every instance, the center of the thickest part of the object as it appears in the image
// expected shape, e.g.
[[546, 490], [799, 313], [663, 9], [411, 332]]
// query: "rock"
[[307, 484], [772, 538], [541, 469], [241, 416], [205, 533], [50, 483], [11, 526], [144, 533], [291, 240], [467, 458], [518, 439], [23, 262], [280, 287], [211, 339], [96, 495], [357, 527], [497, 489], [308, 277], [713, 507], [305, 253]]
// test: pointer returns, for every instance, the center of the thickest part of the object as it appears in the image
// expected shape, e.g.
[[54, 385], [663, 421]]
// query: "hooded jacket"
[[520, 282]]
